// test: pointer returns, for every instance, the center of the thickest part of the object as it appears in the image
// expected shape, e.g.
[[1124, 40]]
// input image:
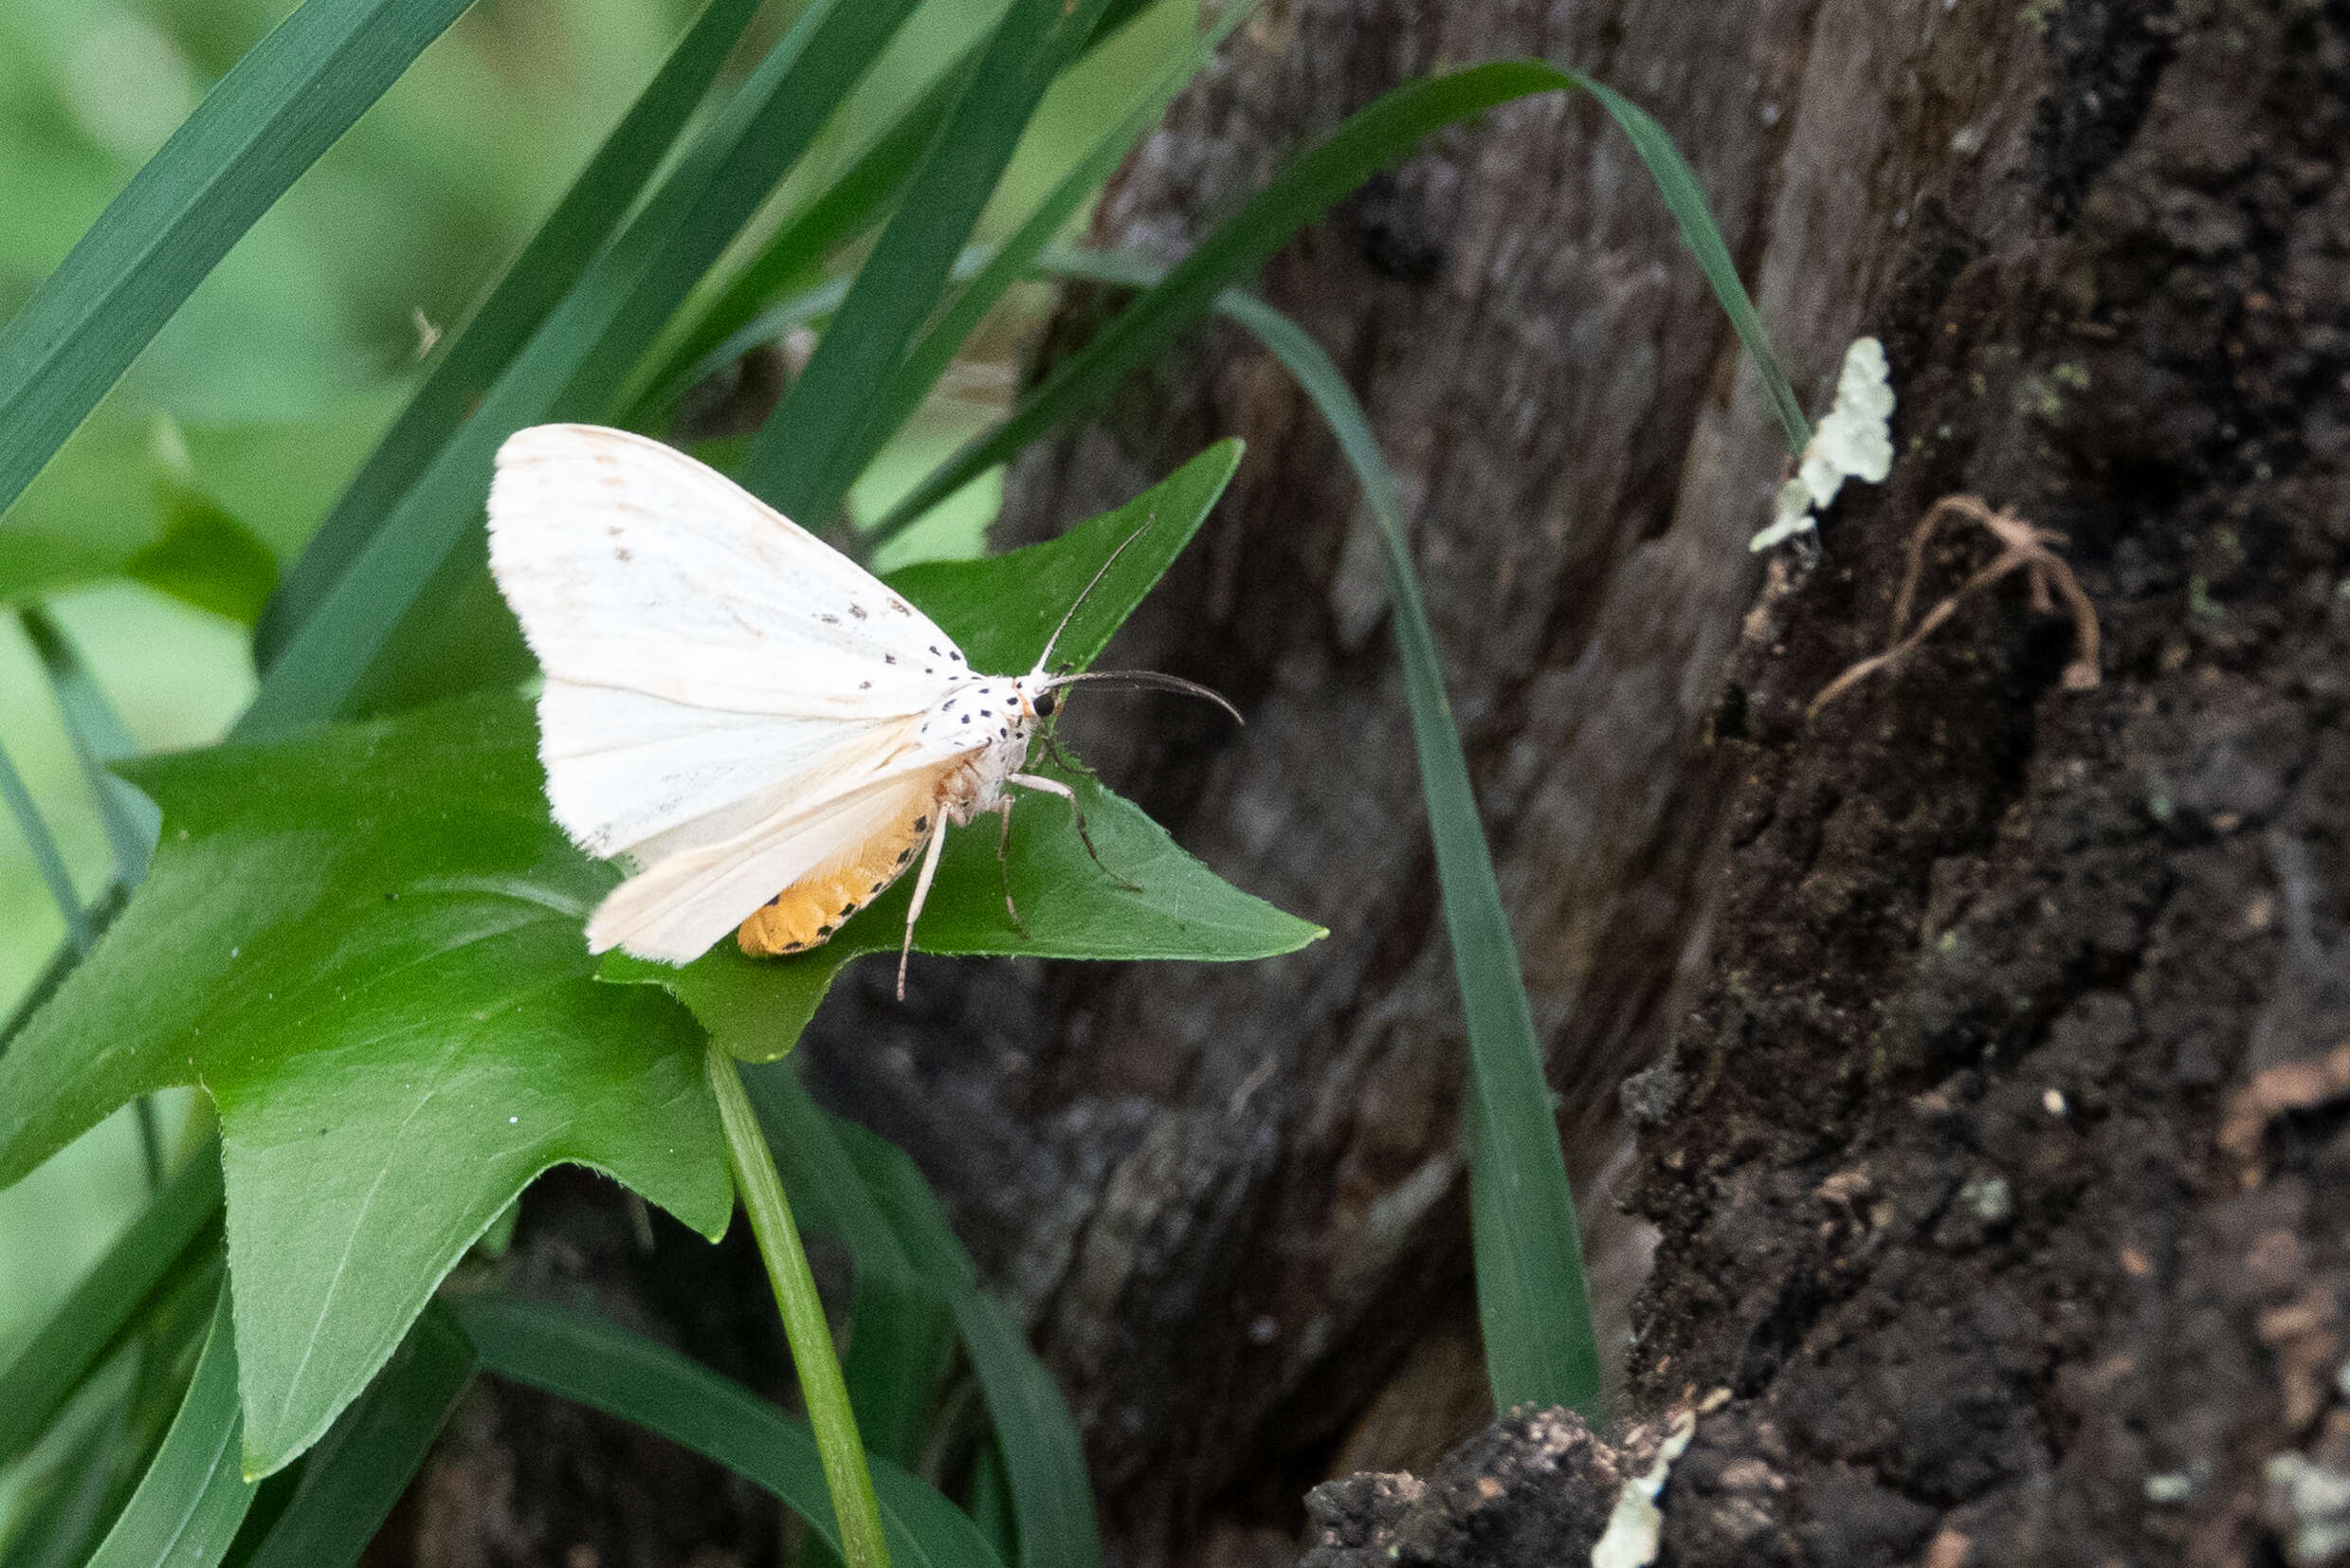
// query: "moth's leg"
[[1052, 745], [1053, 786], [922, 891], [1002, 864]]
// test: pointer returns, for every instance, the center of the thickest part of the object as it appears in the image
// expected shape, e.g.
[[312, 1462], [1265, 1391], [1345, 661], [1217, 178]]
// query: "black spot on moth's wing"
[[847, 909], [857, 611], [889, 657], [824, 931], [828, 618], [921, 824]]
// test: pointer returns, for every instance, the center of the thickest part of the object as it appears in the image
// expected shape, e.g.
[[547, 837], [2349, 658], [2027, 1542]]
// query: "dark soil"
[[2003, 1172]]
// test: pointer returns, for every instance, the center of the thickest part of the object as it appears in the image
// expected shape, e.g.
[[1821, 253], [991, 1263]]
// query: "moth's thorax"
[[992, 716]]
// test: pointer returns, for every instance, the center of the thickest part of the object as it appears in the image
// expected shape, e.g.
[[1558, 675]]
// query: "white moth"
[[766, 732]]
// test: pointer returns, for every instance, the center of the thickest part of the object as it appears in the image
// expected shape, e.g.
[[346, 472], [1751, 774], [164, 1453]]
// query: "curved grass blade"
[[358, 1470], [533, 284], [1677, 183], [1373, 138], [573, 365], [865, 1191], [268, 121], [90, 1323], [187, 1506], [45, 855], [805, 458], [1532, 1303], [597, 1364]]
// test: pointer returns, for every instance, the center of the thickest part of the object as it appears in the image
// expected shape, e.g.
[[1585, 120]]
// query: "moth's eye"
[[1045, 704]]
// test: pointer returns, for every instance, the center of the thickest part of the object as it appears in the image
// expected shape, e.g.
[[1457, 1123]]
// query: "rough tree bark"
[[1979, 990]]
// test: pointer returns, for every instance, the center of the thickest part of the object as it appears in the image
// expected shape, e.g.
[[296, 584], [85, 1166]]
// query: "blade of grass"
[[358, 1470], [45, 855], [268, 121], [187, 1506], [864, 1190], [1044, 1455], [847, 206], [597, 1364], [69, 1510], [1532, 1303], [94, 1317], [532, 285], [804, 459], [901, 1343], [778, 321], [573, 363], [98, 736], [930, 357], [1373, 138]]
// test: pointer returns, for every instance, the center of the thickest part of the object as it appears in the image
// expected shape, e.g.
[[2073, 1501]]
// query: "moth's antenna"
[[1089, 587], [1155, 681]]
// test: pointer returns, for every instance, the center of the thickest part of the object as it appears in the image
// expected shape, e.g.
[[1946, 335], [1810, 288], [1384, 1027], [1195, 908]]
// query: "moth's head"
[[1038, 697]]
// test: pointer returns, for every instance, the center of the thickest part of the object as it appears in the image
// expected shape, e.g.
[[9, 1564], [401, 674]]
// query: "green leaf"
[[1373, 138], [90, 1321], [268, 121], [605, 1367], [187, 1506], [364, 943], [1001, 611], [805, 459], [574, 363], [1532, 1303], [538, 279], [351, 1480]]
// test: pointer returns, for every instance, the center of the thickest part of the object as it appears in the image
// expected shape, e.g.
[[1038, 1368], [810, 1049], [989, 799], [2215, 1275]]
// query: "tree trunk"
[[1994, 1149]]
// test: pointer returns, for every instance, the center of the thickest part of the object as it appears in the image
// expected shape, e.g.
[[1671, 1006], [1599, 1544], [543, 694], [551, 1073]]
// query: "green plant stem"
[[820, 1384]]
